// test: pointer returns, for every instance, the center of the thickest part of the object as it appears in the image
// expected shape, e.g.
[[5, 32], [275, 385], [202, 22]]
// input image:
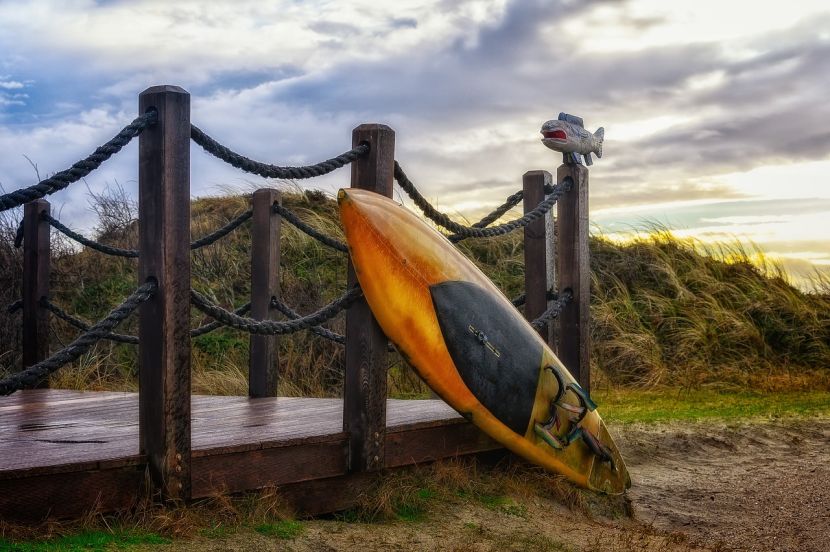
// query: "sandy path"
[[748, 486]]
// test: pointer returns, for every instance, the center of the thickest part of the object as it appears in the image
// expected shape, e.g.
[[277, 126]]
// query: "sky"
[[715, 112]]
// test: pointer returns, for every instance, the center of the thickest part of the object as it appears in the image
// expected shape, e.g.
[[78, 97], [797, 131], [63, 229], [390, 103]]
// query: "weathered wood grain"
[[364, 387], [574, 273], [36, 271], [264, 360], [538, 252], [164, 323]]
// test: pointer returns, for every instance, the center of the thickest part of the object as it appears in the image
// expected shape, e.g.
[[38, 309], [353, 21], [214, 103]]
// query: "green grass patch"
[[288, 529], [217, 532], [502, 503], [414, 507], [630, 406], [87, 541]]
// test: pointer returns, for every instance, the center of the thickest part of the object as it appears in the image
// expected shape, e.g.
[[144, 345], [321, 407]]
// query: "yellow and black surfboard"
[[472, 347]]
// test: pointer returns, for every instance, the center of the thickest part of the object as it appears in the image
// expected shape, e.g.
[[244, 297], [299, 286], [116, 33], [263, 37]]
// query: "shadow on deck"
[[65, 452]]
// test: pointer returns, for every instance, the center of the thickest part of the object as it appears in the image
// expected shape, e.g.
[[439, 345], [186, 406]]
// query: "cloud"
[[10, 85]]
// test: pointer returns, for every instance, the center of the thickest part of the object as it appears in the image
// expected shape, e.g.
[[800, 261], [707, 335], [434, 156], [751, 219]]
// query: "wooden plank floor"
[[55, 441]]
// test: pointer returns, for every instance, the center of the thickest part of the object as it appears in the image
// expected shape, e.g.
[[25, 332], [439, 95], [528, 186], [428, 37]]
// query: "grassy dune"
[[665, 312]]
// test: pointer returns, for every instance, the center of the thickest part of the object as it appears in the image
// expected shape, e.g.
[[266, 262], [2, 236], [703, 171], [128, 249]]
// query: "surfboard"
[[472, 347]]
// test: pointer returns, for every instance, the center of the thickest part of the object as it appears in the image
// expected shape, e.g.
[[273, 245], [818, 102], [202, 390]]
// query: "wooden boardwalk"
[[64, 452]]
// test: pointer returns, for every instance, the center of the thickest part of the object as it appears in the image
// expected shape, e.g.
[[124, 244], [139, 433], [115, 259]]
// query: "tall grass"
[[665, 311]]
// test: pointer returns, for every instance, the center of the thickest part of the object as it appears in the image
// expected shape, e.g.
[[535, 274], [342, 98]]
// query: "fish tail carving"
[[600, 136]]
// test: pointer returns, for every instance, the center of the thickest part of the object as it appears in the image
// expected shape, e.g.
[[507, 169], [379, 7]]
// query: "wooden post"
[[36, 268], [539, 253], [164, 323], [264, 360], [575, 274], [364, 393]]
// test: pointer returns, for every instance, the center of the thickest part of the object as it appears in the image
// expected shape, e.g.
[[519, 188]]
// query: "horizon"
[[715, 129]]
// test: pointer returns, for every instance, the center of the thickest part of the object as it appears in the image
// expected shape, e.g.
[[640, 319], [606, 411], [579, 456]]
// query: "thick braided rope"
[[64, 178], [210, 326], [521, 299], [130, 339], [508, 204], [100, 330], [311, 231], [273, 171], [222, 232], [531, 216], [554, 310], [119, 252], [84, 326], [459, 231], [319, 330], [274, 327], [97, 246]]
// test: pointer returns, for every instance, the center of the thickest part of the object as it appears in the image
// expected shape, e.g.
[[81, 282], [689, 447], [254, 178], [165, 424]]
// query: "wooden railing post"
[[264, 360], [539, 252], [364, 393], [574, 267], [36, 268], [164, 323]]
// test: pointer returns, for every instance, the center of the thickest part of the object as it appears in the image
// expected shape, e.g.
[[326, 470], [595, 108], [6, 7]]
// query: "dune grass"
[[665, 311]]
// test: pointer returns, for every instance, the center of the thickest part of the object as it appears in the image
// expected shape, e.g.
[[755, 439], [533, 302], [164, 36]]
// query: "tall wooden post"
[[364, 393], [164, 323], [264, 361], [575, 274], [36, 268], [539, 251]]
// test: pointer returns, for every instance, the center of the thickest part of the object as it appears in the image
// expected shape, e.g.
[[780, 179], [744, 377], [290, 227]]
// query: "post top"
[[372, 126], [545, 174], [268, 192], [162, 88]]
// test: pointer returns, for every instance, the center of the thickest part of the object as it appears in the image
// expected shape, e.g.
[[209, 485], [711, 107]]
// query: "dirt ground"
[[745, 486]]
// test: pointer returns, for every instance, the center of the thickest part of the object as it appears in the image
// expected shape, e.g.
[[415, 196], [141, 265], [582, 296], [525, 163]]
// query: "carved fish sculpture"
[[570, 138]]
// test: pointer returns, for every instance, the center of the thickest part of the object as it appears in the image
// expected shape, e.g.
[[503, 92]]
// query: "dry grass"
[[665, 311]]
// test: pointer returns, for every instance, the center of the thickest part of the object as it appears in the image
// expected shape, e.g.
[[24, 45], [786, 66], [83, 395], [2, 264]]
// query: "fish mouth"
[[558, 135]]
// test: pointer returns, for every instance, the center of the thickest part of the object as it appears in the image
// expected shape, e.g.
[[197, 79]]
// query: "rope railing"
[[220, 233], [499, 211], [274, 327], [64, 178], [236, 318], [97, 246], [210, 326], [554, 310], [309, 230], [460, 231], [122, 338], [37, 372], [318, 330], [84, 326], [274, 171], [520, 300], [209, 239]]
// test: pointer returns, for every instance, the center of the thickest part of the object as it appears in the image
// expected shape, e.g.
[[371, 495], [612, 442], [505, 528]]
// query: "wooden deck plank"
[[61, 451], [44, 427]]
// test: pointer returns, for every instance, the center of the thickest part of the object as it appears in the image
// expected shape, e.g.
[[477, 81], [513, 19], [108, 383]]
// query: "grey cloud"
[[404, 23]]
